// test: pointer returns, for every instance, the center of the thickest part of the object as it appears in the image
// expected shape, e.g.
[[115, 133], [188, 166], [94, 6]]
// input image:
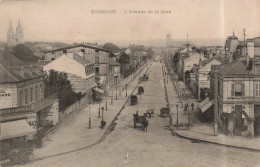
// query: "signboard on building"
[[5, 97]]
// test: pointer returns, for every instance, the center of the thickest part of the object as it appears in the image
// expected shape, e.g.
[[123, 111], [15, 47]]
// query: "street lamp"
[[102, 113], [126, 90], [177, 114], [98, 104], [116, 92], [106, 100], [103, 123], [112, 96], [89, 113]]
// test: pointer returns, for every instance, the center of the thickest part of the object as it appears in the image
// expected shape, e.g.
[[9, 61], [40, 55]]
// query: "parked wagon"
[[150, 113], [140, 90], [141, 120], [164, 112], [133, 99], [144, 78]]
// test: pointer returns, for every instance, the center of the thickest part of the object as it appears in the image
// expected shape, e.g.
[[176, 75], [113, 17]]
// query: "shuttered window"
[[237, 89], [233, 90], [257, 89], [243, 89]]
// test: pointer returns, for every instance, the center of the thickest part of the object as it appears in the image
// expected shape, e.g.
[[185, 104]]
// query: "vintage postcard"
[[111, 83]]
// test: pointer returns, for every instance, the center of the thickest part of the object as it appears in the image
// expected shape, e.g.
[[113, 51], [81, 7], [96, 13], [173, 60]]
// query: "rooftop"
[[235, 68], [11, 69], [75, 46], [113, 62]]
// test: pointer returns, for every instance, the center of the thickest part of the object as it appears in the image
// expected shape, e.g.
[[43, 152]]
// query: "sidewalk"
[[74, 132], [199, 131]]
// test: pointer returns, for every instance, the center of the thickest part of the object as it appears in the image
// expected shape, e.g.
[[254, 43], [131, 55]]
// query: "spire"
[[233, 32], [19, 23]]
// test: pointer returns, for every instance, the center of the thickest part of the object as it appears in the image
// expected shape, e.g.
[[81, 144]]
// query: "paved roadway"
[[127, 146]]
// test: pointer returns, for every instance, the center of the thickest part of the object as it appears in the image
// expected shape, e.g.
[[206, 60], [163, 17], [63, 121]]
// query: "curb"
[[102, 138], [211, 142], [108, 130]]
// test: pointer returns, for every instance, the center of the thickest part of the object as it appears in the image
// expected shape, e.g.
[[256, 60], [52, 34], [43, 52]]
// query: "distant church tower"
[[168, 40], [15, 38]]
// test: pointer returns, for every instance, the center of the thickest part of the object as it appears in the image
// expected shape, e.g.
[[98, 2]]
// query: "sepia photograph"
[[133, 83]]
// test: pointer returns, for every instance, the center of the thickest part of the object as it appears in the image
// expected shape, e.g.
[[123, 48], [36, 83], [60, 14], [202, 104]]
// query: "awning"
[[14, 129], [205, 104], [98, 90]]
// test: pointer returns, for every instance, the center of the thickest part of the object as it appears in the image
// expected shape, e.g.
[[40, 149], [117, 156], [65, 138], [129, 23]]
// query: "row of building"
[[226, 80], [23, 102]]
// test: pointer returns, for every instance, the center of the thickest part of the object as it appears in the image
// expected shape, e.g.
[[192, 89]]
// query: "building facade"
[[22, 96], [238, 96]]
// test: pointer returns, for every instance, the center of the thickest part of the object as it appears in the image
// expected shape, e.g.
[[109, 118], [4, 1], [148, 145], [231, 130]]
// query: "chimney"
[[22, 72], [30, 70]]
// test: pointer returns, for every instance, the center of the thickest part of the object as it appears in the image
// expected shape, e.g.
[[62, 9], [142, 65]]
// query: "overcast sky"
[[71, 20]]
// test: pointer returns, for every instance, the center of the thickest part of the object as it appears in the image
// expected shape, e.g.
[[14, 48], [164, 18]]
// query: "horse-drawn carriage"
[[144, 78], [133, 99], [141, 120], [164, 112], [140, 90]]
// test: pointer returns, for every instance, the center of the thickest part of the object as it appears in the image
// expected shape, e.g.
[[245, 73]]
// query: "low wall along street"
[[83, 102]]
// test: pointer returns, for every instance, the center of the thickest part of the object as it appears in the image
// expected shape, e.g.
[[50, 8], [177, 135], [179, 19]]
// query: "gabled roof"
[[10, 69], [206, 64], [235, 68], [81, 60], [7, 59], [75, 46], [6, 76], [113, 62]]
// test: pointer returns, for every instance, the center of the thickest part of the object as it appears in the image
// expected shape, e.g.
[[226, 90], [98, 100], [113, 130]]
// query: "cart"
[[141, 120], [140, 90], [133, 99], [164, 112]]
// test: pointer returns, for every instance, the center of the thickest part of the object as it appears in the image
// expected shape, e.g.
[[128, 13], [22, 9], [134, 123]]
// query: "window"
[[26, 96], [96, 59], [96, 70], [257, 89], [40, 91], [21, 97], [36, 93], [257, 69], [238, 90], [31, 94], [87, 70]]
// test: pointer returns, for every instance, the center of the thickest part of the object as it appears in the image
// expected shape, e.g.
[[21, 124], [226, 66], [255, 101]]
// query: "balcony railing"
[[35, 107]]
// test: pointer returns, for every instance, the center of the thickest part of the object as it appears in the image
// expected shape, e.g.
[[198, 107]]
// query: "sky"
[[73, 21]]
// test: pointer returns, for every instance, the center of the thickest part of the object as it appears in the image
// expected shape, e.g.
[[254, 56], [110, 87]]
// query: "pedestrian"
[[192, 106]]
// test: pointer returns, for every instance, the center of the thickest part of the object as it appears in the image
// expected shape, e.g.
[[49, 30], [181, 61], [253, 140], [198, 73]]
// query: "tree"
[[57, 82], [25, 54], [112, 47], [124, 59]]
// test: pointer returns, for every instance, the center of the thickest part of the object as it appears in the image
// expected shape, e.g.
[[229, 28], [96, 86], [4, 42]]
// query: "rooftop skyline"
[[72, 21]]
